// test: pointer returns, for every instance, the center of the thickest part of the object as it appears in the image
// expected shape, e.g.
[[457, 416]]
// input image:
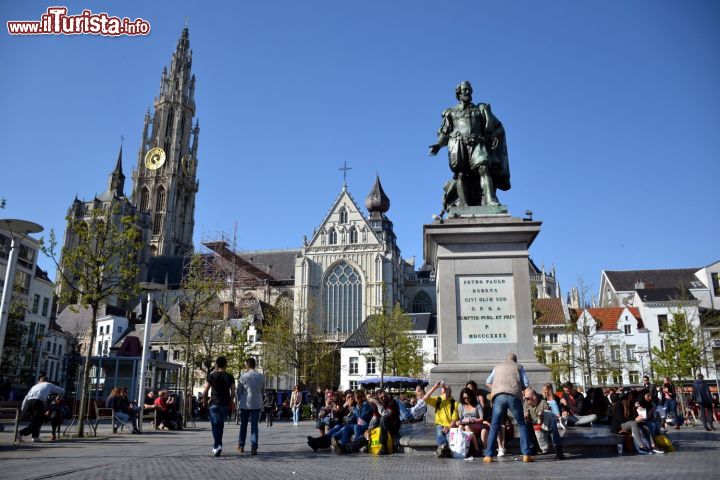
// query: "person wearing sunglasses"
[[537, 412]]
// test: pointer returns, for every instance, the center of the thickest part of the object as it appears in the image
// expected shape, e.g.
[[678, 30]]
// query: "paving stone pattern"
[[283, 454]]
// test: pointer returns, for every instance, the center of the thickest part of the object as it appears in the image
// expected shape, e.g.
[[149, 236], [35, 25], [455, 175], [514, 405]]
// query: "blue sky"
[[611, 112]]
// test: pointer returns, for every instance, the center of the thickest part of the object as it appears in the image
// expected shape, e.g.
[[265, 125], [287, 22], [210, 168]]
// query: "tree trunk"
[[84, 389]]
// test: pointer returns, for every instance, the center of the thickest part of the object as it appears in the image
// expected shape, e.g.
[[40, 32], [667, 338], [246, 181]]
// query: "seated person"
[[331, 413], [537, 412], [355, 425], [149, 402], [571, 406], [414, 412], [343, 414], [646, 410], [445, 414], [625, 420], [163, 413], [600, 406], [472, 419], [386, 413]]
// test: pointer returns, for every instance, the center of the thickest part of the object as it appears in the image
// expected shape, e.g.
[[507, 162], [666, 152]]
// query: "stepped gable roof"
[[609, 316], [280, 264], [625, 280], [549, 312], [361, 337], [663, 294]]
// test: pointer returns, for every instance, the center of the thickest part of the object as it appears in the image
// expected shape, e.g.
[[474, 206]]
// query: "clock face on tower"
[[155, 158]]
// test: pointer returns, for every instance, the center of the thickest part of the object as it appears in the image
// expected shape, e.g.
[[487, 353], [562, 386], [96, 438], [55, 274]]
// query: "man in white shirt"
[[34, 406], [250, 391]]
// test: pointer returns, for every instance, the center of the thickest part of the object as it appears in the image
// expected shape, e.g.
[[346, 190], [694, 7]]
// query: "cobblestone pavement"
[[283, 454]]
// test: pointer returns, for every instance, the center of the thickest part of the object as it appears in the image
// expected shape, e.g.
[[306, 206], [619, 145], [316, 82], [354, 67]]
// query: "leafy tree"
[[196, 326], [682, 356], [293, 347], [392, 345], [98, 267], [14, 350], [237, 347]]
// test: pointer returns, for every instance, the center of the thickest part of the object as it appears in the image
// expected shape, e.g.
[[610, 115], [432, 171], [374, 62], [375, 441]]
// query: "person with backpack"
[[445, 414]]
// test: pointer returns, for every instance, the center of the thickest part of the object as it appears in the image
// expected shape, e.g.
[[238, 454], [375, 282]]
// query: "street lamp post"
[[19, 229], [149, 288]]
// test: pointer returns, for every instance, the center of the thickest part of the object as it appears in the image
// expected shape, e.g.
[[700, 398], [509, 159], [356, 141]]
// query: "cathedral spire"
[[166, 189], [117, 179]]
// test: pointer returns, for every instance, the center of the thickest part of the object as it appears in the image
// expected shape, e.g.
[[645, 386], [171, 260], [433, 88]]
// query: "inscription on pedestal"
[[486, 308]]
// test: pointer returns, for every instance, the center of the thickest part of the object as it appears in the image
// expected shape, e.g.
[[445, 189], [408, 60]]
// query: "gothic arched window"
[[332, 236], [353, 235], [343, 215], [160, 200], [422, 303], [342, 299], [157, 223], [144, 200]]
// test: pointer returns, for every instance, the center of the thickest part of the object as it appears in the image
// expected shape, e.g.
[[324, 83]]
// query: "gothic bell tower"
[[164, 182]]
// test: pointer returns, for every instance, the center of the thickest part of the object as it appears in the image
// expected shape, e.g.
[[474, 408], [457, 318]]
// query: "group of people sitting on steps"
[[345, 420]]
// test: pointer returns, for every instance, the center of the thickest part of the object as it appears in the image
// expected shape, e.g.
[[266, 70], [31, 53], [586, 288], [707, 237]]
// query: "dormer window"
[[343, 215], [628, 329]]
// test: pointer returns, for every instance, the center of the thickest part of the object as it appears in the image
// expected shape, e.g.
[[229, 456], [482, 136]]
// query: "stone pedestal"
[[483, 297]]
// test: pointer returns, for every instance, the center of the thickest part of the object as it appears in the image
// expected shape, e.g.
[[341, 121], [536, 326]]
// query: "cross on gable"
[[345, 169]]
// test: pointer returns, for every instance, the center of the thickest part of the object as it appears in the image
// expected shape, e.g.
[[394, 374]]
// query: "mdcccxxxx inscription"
[[486, 308]]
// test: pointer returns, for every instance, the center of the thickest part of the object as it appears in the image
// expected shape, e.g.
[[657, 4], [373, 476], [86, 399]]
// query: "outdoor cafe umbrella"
[[393, 382]]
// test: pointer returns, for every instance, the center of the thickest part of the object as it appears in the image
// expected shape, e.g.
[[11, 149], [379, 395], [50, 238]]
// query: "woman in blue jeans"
[[222, 393]]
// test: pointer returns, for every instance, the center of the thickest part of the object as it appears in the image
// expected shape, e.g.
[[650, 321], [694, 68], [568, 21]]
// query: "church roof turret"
[[376, 200], [117, 179]]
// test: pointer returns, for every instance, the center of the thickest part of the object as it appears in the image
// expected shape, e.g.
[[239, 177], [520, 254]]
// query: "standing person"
[[221, 395], [55, 412], [506, 383], [269, 407], [669, 399], [318, 402], [650, 387], [34, 406], [704, 400], [296, 404], [250, 391]]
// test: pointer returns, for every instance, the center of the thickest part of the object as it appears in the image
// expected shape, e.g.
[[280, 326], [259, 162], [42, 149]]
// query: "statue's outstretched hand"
[[434, 149]]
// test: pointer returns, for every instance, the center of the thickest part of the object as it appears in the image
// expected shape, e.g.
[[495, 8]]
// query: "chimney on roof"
[[639, 285], [228, 310]]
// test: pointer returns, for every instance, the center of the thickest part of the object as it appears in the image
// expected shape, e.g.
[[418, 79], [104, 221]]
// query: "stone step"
[[420, 438]]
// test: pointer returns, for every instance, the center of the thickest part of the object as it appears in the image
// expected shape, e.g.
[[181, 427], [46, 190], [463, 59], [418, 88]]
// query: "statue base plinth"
[[477, 211], [484, 306]]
